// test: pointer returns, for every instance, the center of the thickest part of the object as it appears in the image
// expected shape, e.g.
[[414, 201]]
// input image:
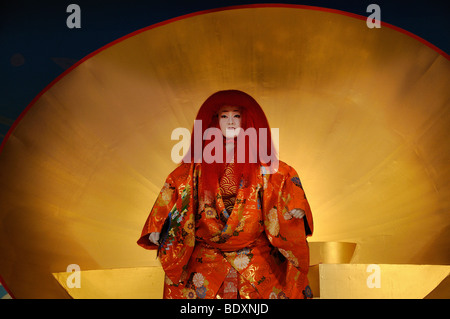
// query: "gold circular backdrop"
[[363, 116]]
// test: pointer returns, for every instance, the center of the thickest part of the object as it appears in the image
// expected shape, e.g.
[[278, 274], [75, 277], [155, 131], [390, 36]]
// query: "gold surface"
[[314, 280], [123, 283], [326, 253], [442, 291], [349, 281], [331, 252], [363, 117], [327, 281]]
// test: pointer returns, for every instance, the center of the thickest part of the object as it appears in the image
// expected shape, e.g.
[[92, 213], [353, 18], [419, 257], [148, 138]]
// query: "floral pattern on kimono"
[[259, 239]]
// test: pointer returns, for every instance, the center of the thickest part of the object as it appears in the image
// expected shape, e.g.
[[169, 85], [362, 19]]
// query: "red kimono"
[[240, 241]]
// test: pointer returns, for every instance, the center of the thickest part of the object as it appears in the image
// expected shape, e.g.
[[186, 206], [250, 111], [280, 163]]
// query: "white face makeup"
[[230, 121]]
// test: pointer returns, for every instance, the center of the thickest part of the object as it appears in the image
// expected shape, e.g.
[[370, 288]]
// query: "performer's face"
[[230, 121]]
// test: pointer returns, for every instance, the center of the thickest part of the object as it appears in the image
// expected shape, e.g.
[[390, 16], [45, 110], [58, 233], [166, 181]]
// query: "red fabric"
[[259, 239]]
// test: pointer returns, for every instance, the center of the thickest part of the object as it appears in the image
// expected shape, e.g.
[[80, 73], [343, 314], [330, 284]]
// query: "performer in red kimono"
[[237, 227]]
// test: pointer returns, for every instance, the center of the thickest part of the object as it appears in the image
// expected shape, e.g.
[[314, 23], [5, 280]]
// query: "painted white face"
[[230, 121]]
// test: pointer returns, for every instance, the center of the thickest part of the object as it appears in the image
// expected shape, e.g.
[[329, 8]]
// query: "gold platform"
[[122, 283], [334, 279]]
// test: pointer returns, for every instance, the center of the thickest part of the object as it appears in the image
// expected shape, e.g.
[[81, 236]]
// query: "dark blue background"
[[36, 46]]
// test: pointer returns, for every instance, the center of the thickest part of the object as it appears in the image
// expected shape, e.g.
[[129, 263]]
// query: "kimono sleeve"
[[294, 197], [165, 201], [283, 193]]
